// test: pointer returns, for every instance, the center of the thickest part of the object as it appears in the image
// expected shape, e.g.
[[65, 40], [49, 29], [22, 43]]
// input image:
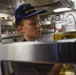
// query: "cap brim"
[[34, 13]]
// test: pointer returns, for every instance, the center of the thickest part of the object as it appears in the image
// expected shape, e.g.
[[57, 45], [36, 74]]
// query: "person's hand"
[[56, 69]]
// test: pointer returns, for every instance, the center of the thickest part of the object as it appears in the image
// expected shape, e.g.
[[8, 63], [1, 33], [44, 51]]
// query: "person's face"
[[31, 27]]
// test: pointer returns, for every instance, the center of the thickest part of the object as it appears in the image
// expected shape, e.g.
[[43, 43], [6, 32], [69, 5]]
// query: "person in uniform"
[[27, 21]]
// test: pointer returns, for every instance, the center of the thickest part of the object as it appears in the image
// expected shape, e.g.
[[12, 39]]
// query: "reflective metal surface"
[[8, 6], [0, 33], [39, 52], [30, 51]]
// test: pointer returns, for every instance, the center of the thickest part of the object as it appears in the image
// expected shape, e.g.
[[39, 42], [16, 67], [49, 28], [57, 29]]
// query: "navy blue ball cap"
[[26, 10]]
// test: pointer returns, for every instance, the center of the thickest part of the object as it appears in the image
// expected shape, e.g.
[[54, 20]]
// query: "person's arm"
[[56, 69]]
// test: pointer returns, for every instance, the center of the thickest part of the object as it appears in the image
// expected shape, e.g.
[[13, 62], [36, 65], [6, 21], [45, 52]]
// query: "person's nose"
[[39, 25]]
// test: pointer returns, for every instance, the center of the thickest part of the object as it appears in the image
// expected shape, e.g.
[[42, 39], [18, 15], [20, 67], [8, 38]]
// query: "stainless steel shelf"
[[6, 22], [10, 35], [47, 31], [39, 52]]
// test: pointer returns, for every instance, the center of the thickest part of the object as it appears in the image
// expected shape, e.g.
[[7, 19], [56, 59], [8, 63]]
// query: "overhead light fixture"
[[61, 9]]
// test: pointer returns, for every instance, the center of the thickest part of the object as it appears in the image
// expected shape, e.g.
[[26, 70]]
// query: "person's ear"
[[20, 28]]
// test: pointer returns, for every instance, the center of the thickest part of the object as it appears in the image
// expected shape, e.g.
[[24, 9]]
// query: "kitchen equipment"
[[38, 53]]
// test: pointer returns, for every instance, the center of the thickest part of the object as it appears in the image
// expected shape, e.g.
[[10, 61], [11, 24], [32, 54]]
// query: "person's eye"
[[33, 23]]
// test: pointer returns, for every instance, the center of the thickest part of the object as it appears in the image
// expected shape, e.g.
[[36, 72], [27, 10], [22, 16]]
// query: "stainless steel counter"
[[39, 52]]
